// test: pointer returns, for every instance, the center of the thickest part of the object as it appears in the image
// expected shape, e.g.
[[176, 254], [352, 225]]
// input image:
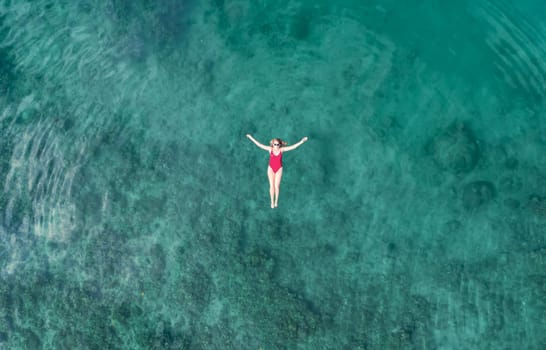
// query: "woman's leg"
[[278, 177], [271, 176]]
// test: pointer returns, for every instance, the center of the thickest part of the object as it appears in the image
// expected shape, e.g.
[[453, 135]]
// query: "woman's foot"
[[272, 206]]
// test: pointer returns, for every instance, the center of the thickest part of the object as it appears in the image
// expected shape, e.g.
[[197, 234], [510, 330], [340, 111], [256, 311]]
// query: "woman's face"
[[276, 144]]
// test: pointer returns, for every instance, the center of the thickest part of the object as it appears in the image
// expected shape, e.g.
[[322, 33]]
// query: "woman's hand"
[[304, 139], [248, 136]]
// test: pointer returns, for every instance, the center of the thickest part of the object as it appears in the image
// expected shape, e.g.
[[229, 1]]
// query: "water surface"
[[135, 213]]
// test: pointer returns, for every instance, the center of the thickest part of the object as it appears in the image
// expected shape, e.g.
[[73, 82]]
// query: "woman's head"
[[276, 142]]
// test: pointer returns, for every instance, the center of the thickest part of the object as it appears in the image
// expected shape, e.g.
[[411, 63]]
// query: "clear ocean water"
[[134, 213]]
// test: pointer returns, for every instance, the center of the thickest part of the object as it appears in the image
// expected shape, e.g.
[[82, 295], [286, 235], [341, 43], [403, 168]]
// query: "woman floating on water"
[[274, 171]]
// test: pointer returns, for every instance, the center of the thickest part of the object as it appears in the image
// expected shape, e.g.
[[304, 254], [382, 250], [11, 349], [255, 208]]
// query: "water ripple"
[[520, 48], [40, 173], [78, 84]]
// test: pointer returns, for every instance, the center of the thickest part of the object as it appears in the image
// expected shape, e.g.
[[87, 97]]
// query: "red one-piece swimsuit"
[[275, 161]]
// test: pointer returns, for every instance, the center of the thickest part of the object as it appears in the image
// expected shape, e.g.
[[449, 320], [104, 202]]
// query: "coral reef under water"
[[455, 149]]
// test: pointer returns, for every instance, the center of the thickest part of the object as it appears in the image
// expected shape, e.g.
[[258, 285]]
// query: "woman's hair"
[[283, 143]]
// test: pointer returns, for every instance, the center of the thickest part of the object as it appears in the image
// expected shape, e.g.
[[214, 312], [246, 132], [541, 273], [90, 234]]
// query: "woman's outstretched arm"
[[264, 147], [294, 146]]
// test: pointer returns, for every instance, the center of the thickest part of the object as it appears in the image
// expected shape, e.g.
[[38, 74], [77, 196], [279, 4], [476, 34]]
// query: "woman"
[[274, 171]]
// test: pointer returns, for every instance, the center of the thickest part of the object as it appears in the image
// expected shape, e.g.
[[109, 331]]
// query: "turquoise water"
[[135, 214]]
